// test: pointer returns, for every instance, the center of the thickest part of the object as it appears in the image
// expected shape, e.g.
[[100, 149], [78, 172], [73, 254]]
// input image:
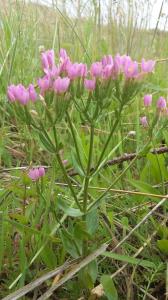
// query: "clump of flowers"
[[21, 94], [161, 109], [35, 173], [59, 78], [92, 91]]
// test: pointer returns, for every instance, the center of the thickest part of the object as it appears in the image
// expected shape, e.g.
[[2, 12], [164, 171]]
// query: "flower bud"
[[147, 100]]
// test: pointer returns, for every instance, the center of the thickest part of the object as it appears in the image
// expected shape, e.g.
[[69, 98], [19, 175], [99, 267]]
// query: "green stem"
[[24, 200], [68, 181], [86, 183], [108, 140], [74, 139], [87, 178]]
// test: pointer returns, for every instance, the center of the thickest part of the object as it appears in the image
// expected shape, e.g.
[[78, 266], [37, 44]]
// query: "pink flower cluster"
[[161, 102], [161, 107], [58, 77], [105, 69], [21, 94], [36, 173]]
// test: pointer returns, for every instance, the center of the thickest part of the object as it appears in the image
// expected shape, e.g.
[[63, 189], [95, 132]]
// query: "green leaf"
[[70, 211], [69, 244], [109, 287], [163, 246], [157, 167], [92, 221], [80, 231], [130, 260], [93, 270], [143, 187], [46, 143], [162, 230], [48, 257], [85, 279]]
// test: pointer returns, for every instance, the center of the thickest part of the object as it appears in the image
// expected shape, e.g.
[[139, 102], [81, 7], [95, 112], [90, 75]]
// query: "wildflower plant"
[[68, 89]]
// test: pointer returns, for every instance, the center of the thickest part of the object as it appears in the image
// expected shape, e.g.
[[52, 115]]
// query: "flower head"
[[131, 69], [61, 85], [107, 60], [96, 69], [76, 70], [144, 121], [90, 84], [63, 54], [52, 73], [47, 59], [11, 93], [107, 71], [32, 93], [161, 103], [36, 173], [21, 94], [44, 84], [65, 61], [147, 100], [117, 66], [147, 66], [82, 70]]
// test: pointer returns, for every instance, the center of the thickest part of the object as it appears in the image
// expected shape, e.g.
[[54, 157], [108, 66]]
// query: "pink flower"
[[147, 100], [107, 71], [63, 54], [82, 70], [65, 61], [32, 93], [65, 64], [117, 66], [36, 173], [96, 69], [41, 171], [161, 103], [143, 121], [21, 94], [47, 59], [52, 73], [131, 69], [44, 84], [125, 60], [147, 66], [76, 70], [11, 93], [73, 71], [107, 60], [90, 84], [61, 85], [65, 161]]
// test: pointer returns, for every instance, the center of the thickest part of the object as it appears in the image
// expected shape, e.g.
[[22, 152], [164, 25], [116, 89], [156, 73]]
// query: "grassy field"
[[98, 217]]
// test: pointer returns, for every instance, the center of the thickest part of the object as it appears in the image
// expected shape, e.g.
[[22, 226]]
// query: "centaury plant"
[[73, 92]]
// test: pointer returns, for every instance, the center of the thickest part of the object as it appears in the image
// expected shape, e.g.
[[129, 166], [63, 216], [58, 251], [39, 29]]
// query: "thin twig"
[[101, 189], [114, 161], [73, 271], [32, 285]]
